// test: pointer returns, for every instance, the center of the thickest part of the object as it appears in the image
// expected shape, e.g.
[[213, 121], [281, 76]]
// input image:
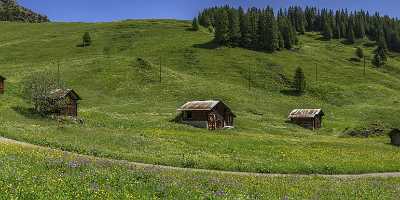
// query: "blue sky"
[[111, 10]]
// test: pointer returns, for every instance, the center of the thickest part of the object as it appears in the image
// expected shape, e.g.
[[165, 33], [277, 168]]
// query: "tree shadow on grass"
[[322, 39], [27, 112], [289, 92], [207, 45]]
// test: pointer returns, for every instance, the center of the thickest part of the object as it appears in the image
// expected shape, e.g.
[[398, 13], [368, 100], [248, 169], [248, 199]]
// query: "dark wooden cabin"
[[70, 101], [2, 84], [207, 114], [307, 118]]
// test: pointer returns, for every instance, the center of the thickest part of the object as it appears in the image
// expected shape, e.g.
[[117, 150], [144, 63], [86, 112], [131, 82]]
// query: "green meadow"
[[32, 173], [128, 112]]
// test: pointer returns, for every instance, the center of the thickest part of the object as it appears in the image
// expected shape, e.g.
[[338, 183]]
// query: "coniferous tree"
[[328, 35], [253, 14], [380, 57], [222, 27], [234, 28], [378, 61], [299, 81], [86, 39], [245, 40], [350, 32], [195, 24]]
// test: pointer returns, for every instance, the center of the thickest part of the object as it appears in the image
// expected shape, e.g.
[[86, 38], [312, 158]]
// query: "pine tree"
[[244, 28], [86, 39], [253, 14], [380, 57], [234, 28], [299, 81], [378, 61], [327, 31], [221, 27], [195, 24], [350, 31], [281, 41], [381, 40]]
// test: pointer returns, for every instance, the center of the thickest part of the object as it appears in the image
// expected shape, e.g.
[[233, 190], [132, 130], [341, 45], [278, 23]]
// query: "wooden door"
[[212, 121]]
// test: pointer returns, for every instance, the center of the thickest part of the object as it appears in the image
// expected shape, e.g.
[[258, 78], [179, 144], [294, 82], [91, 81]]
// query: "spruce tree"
[[253, 14], [327, 31], [234, 28], [377, 61], [380, 57], [281, 41], [86, 39], [299, 81], [350, 34], [195, 24], [221, 27], [245, 40]]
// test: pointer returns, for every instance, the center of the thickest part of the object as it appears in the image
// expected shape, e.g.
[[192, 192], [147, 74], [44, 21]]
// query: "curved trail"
[[179, 169]]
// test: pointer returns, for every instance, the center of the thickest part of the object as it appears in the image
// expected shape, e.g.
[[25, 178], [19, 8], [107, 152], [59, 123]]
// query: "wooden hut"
[[395, 137], [2, 85], [207, 114], [69, 100], [307, 118]]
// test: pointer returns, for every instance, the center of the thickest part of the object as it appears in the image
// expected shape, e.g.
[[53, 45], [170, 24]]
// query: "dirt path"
[[108, 161]]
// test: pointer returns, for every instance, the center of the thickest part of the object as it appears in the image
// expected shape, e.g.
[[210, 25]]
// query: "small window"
[[189, 115]]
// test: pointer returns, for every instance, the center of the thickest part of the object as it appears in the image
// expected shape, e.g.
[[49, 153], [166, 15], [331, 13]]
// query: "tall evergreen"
[[222, 27], [253, 14], [86, 39], [328, 34], [350, 31], [234, 27], [195, 25], [244, 28]]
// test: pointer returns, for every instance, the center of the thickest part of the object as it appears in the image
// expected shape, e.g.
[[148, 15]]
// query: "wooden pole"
[[160, 69], [364, 66], [249, 78], [58, 73]]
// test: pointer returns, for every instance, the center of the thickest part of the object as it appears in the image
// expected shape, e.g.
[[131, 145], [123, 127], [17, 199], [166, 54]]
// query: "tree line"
[[263, 29]]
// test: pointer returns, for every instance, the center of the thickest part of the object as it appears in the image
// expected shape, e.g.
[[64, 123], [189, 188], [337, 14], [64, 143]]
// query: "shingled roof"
[[199, 105], [305, 113], [62, 93]]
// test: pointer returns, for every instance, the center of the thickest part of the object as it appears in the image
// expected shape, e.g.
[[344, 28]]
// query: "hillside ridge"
[[10, 10]]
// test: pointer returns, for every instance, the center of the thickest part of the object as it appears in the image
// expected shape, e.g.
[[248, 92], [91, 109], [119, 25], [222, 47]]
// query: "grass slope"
[[127, 112], [31, 173]]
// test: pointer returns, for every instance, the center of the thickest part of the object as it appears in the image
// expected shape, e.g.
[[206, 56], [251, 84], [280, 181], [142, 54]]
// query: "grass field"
[[127, 111], [31, 173]]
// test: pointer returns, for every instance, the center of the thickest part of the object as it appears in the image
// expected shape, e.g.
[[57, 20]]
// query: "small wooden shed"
[[2, 84], [70, 101], [307, 118], [207, 114]]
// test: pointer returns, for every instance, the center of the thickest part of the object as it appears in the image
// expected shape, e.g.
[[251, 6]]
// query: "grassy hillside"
[[31, 173], [127, 112]]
